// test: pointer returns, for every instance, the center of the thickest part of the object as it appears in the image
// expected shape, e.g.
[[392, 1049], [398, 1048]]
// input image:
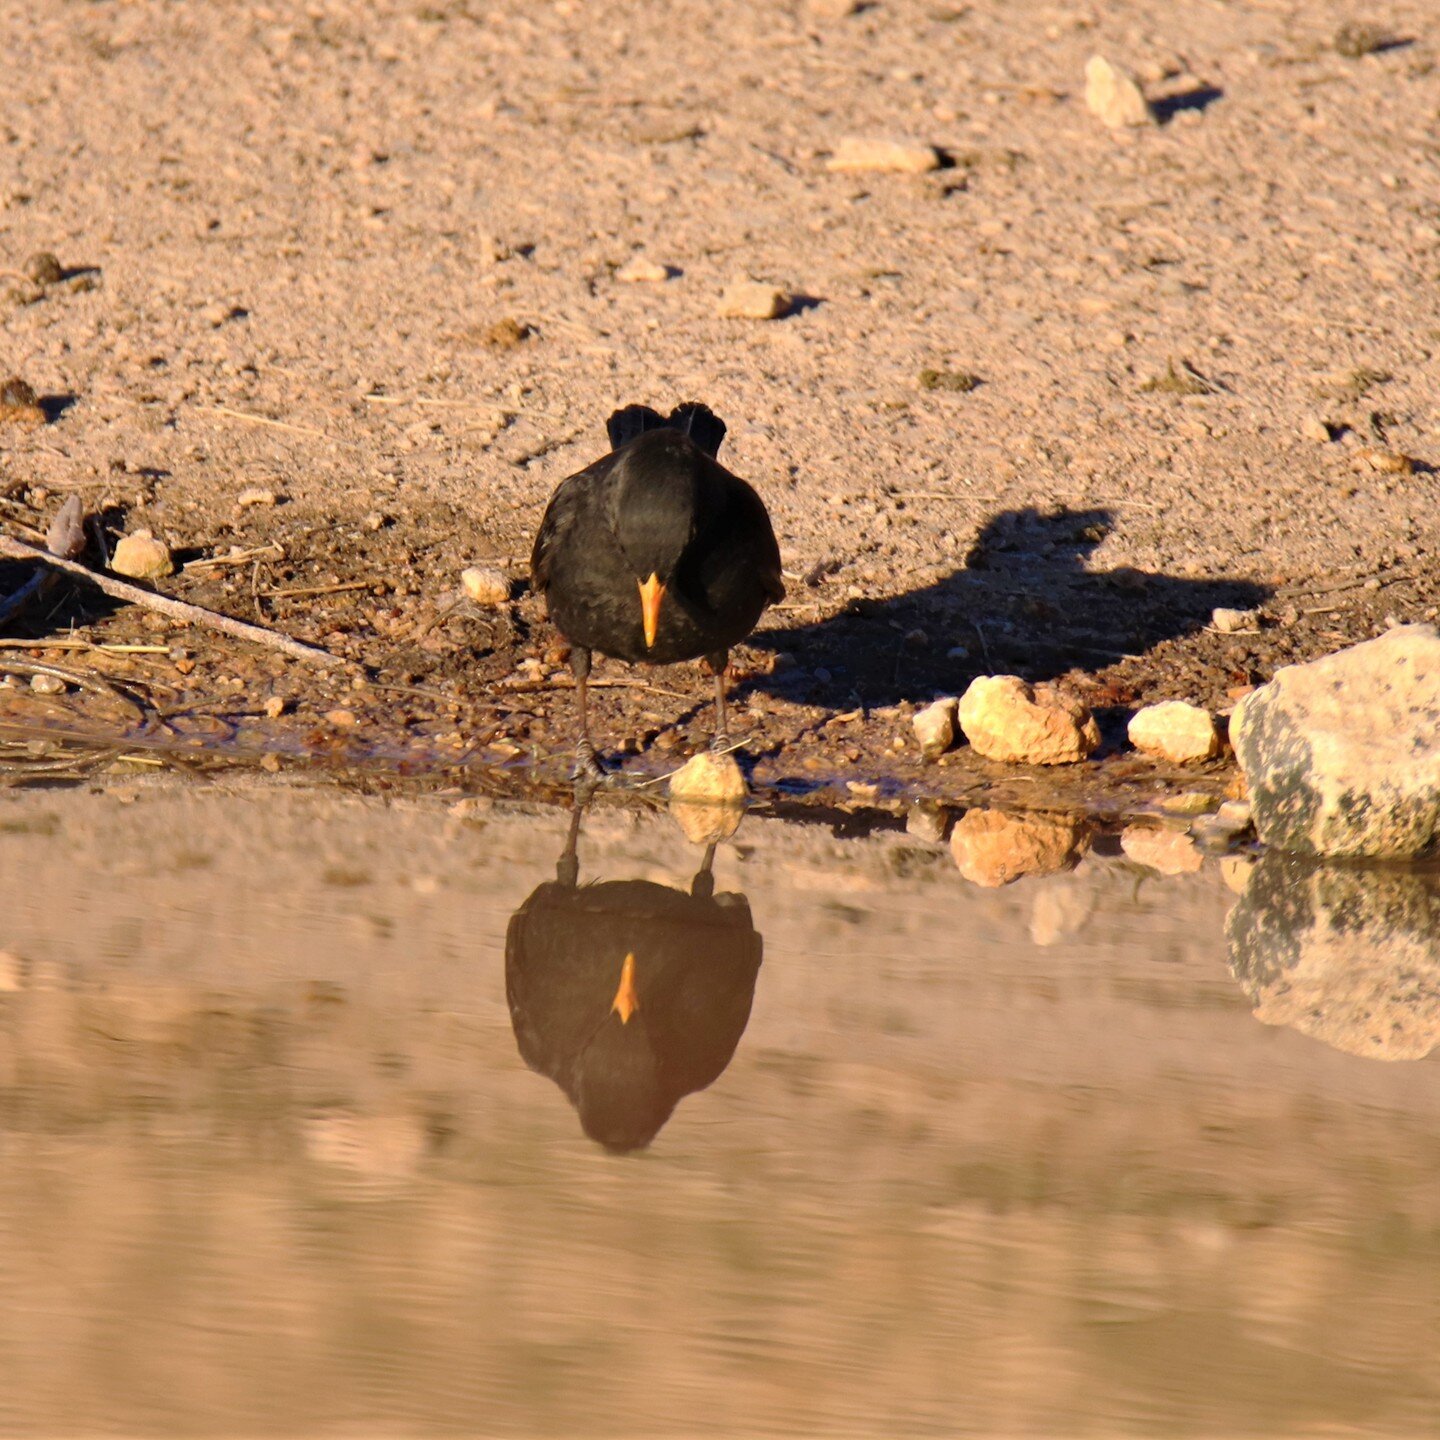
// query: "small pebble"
[[1114, 97], [255, 495], [142, 557], [44, 269], [275, 707], [341, 719], [752, 300], [640, 271], [1175, 731], [935, 727], [47, 684], [485, 587], [894, 156], [1314, 428], [1384, 462], [1234, 622]]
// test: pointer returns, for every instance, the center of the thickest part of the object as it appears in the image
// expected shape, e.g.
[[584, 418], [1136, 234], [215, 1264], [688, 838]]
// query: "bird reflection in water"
[[629, 994]]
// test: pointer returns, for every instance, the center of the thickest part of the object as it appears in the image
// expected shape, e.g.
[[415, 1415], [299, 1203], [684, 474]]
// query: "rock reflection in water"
[[1348, 954], [629, 994]]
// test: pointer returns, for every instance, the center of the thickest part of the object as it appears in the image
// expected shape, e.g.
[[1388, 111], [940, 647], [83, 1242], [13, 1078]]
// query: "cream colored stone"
[[707, 797], [640, 271], [486, 587], [934, 727], [1175, 731], [1006, 719], [752, 300], [856, 153], [1115, 98], [142, 557]]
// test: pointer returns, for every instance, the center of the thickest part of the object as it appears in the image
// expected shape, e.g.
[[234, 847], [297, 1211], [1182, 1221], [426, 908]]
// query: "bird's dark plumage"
[[656, 553], [688, 965]]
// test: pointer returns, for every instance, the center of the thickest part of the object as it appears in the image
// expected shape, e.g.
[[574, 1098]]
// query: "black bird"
[[656, 553], [629, 995]]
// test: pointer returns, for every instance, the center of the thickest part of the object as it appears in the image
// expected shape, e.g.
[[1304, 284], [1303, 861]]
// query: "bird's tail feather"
[[697, 421], [625, 424], [701, 424]]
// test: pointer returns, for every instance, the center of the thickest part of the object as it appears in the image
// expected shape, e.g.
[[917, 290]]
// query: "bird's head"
[[661, 495]]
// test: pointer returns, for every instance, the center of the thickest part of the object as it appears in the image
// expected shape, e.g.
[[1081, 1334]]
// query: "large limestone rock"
[[995, 847], [1176, 732], [1342, 756], [1349, 955], [1005, 719]]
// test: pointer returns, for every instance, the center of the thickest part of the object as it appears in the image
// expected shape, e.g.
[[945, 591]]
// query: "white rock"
[[1233, 622], [1114, 97], [1006, 719], [1314, 428], [753, 300], [485, 587], [47, 684], [1176, 732], [142, 557], [856, 153], [707, 797], [1342, 756], [935, 727], [256, 495], [640, 271]]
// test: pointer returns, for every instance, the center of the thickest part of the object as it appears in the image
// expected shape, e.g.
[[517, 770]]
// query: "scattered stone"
[[274, 707], [961, 382], [894, 156], [925, 820], [1312, 427], [1189, 802], [506, 334], [44, 269], [640, 271], [1349, 384], [142, 557], [1225, 826], [1181, 379], [833, 9], [256, 495], [1171, 852], [1176, 732], [485, 587], [1345, 955], [707, 797], [19, 405], [1006, 719], [1354, 40], [1383, 462], [341, 719], [375, 520], [935, 727], [1342, 755], [752, 300], [47, 684], [994, 847], [1235, 622], [1114, 97]]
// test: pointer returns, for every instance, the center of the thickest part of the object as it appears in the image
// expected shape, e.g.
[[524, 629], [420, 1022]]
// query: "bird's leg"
[[567, 868], [587, 761], [719, 662]]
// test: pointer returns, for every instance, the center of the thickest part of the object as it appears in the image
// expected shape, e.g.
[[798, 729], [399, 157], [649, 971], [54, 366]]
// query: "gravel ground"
[[1039, 410]]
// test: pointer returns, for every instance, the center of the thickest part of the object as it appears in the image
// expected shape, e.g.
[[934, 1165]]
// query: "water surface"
[[295, 1089]]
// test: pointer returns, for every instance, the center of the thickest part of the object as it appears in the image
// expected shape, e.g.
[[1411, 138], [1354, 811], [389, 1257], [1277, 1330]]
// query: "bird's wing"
[[701, 424], [751, 513], [560, 516]]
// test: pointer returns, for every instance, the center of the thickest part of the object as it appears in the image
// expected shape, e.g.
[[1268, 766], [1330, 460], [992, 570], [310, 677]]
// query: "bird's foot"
[[722, 744], [588, 768]]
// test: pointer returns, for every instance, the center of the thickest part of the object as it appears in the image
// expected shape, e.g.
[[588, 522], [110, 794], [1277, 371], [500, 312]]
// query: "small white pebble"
[[485, 587], [47, 684]]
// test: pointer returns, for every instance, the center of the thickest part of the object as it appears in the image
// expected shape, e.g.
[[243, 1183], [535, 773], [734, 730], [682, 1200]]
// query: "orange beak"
[[626, 1003], [652, 592]]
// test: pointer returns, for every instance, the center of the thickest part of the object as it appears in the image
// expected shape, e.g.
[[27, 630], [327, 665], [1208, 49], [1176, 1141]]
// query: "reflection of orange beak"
[[652, 592], [626, 1003]]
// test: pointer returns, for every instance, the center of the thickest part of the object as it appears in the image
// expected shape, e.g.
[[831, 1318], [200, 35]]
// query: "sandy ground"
[[365, 258]]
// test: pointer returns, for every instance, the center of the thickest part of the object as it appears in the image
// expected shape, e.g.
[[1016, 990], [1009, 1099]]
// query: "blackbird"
[[629, 994], [656, 553]]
